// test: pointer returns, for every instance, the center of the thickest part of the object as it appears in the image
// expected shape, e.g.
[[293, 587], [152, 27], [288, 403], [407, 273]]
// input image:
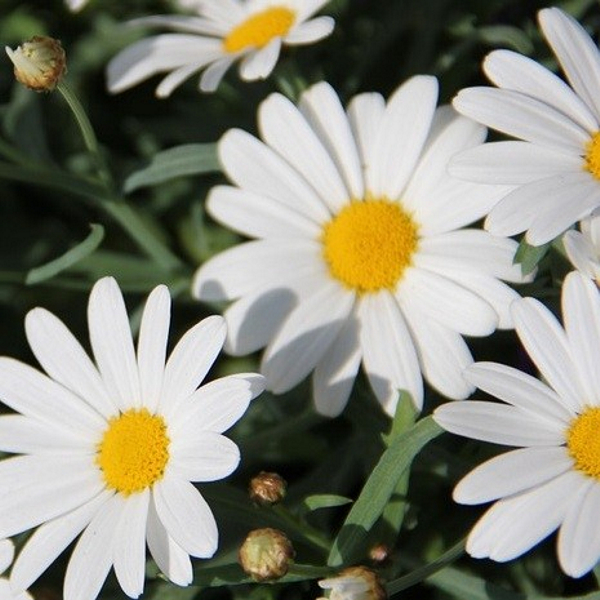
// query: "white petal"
[[185, 23], [402, 133], [34, 489], [497, 423], [226, 12], [64, 359], [323, 109], [513, 163], [443, 354], [522, 117], [389, 355], [521, 390], [284, 128], [522, 74], [258, 64], [190, 361], [579, 536], [310, 31], [576, 52], [110, 336], [547, 345], [447, 302], [305, 336], [335, 373], [581, 253], [174, 79], [186, 516], [93, 555], [511, 473], [514, 525], [152, 345], [171, 559], [51, 538], [150, 56], [252, 165], [214, 73], [207, 456], [256, 216], [129, 544]]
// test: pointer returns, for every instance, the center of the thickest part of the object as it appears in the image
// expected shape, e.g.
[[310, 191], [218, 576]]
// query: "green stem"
[[310, 534]]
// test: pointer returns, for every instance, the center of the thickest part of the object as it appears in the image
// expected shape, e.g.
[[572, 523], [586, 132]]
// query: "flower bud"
[[267, 488], [379, 553], [354, 583], [39, 63], [266, 554]]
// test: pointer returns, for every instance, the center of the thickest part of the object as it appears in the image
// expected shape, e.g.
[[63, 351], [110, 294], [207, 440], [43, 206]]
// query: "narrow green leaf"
[[379, 488], [529, 256], [69, 258], [324, 501], [187, 159]]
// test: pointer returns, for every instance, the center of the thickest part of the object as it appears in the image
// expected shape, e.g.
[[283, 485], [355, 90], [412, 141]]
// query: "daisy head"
[[552, 480], [583, 247], [556, 165], [225, 31], [111, 449], [7, 554], [360, 254]]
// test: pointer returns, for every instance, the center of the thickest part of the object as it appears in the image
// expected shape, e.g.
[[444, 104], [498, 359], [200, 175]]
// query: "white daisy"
[[553, 480], [111, 449], [225, 31], [360, 255], [557, 165], [7, 553], [583, 247], [354, 583]]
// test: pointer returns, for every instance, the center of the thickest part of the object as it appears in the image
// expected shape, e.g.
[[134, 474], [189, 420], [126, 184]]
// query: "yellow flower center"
[[583, 442], [134, 451], [592, 155], [368, 245], [259, 29]]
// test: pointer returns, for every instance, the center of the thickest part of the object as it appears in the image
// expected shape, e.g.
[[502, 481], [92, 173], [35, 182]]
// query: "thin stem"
[[310, 534]]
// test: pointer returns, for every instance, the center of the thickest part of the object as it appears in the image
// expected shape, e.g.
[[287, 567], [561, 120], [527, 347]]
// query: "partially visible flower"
[[40, 63], [110, 450], [583, 247], [266, 554], [225, 31], [76, 5], [354, 583], [552, 479], [557, 165], [363, 255], [267, 488], [7, 592]]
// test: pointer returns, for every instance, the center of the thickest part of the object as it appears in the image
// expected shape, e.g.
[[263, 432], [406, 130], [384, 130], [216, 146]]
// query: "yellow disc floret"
[[583, 442], [134, 451], [592, 155], [368, 245], [259, 29]]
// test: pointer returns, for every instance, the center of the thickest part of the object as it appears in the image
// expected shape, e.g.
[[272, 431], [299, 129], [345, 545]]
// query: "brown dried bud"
[[266, 554], [39, 63], [267, 488], [354, 583], [379, 553]]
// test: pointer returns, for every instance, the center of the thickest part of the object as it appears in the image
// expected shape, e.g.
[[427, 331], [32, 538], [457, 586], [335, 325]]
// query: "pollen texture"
[[259, 29], [368, 245], [134, 451], [592, 155], [583, 442]]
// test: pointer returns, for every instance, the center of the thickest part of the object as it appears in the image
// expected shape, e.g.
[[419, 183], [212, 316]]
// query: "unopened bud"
[[266, 554], [39, 63], [379, 553], [354, 583], [267, 488]]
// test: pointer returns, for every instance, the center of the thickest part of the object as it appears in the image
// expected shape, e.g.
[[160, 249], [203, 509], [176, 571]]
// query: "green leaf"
[[324, 501], [69, 258], [379, 488], [188, 159], [529, 256]]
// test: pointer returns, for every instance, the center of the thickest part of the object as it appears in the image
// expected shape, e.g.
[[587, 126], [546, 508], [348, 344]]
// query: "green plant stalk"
[[310, 534]]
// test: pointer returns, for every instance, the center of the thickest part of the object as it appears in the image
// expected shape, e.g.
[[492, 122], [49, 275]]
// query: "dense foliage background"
[[47, 206]]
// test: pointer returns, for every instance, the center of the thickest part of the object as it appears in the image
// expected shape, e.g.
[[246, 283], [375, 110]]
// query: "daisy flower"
[[556, 166], [583, 247], [553, 479], [354, 583], [110, 450], [252, 31], [7, 553], [360, 255]]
